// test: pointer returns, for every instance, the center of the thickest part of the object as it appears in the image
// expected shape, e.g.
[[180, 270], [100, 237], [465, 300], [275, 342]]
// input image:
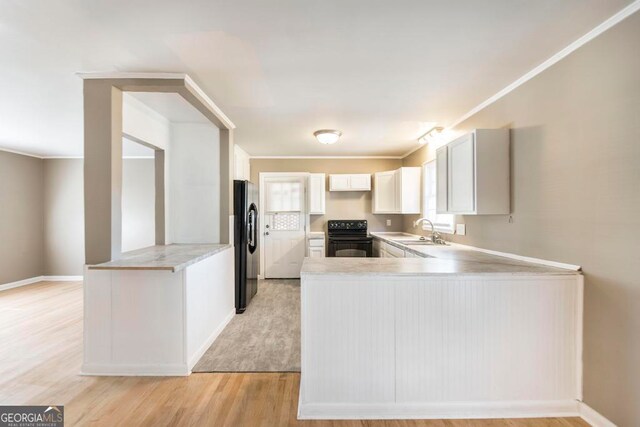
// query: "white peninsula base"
[[150, 317], [417, 344]]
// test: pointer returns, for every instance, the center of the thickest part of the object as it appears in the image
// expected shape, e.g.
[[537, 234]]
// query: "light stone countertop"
[[315, 235], [437, 260], [170, 257]]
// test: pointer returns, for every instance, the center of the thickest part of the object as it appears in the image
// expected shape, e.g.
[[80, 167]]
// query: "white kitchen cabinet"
[[317, 193], [350, 182], [241, 164], [385, 250], [385, 191], [315, 245], [316, 252], [461, 175], [473, 174], [394, 252], [397, 191], [441, 179]]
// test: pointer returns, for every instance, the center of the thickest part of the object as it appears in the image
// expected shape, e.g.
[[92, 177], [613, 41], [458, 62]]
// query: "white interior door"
[[284, 227]]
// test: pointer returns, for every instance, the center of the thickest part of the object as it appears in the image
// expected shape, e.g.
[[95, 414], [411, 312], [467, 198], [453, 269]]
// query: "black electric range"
[[349, 238]]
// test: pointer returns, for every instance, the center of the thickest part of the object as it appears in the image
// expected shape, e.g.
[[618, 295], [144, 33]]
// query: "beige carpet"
[[265, 338]]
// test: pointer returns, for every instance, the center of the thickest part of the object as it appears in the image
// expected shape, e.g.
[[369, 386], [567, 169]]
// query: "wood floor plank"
[[41, 354]]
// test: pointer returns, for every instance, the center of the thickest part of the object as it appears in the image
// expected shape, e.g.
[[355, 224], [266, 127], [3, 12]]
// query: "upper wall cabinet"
[[350, 182], [241, 164], [316, 193], [397, 191], [473, 174]]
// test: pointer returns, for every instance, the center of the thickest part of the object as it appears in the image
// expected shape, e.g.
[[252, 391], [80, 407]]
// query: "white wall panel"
[[210, 297], [479, 340], [348, 341], [155, 322], [195, 183], [440, 347]]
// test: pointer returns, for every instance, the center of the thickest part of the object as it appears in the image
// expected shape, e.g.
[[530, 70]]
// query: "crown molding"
[[604, 26], [21, 153], [595, 32], [91, 75], [189, 83]]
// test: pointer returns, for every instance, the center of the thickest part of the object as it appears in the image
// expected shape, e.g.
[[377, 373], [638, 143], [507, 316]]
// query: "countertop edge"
[[171, 268], [530, 260], [434, 274]]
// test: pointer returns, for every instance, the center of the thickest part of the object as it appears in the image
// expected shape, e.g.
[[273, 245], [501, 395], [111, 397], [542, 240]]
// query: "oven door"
[[350, 248]]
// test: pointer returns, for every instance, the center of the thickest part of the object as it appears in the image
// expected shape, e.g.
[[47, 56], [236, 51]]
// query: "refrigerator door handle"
[[252, 228]]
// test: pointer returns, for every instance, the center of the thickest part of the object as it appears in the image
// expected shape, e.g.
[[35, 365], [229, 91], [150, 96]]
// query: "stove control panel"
[[348, 225]]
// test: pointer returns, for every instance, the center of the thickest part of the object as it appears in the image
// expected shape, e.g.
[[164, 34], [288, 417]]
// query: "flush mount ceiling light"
[[433, 132], [327, 136]]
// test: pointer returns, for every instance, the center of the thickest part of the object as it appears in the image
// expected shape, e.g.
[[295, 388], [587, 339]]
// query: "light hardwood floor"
[[41, 353]]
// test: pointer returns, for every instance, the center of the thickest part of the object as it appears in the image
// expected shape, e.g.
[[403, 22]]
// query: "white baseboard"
[[62, 278], [593, 417], [19, 283], [444, 410], [134, 370], [37, 279], [204, 347]]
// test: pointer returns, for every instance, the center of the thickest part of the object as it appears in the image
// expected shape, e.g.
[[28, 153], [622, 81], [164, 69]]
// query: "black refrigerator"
[[245, 210]]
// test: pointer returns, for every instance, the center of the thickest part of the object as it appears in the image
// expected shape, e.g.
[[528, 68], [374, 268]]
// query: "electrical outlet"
[[461, 229], [388, 223]]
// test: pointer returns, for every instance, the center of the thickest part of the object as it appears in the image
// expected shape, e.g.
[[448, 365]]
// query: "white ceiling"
[[378, 70]]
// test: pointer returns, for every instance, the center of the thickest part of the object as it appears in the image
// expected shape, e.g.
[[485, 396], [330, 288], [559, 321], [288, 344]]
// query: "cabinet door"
[[360, 182], [394, 252], [385, 192], [461, 174], [339, 182], [409, 190], [441, 180], [316, 252], [316, 194]]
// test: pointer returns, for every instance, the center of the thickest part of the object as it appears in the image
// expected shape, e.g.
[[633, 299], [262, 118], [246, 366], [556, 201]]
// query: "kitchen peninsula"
[[456, 333], [154, 311]]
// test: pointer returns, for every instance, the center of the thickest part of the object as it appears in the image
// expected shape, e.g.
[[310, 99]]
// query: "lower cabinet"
[[385, 250], [315, 246], [316, 252]]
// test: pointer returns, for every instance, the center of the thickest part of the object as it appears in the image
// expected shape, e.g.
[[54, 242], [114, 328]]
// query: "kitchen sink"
[[414, 242]]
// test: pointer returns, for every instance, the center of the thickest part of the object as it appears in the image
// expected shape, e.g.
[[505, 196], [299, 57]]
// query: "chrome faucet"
[[436, 238]]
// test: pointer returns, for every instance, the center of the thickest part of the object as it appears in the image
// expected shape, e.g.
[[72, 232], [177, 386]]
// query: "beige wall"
[[339, 205], [64, 211], [64, 217], [21, 217], [575, 135]]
